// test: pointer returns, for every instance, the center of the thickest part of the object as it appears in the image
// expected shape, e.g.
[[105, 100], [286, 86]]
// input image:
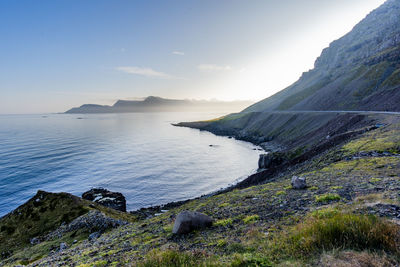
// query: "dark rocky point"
[[106, 198], [267, 160]]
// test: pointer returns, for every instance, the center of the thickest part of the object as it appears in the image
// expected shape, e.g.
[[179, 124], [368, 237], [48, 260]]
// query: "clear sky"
[[64, 53]]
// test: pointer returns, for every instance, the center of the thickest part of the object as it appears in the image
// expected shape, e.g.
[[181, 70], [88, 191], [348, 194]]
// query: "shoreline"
[[156, 210]]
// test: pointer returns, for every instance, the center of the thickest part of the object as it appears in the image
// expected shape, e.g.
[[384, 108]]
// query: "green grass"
[[224, 222], [221, 243], [336, 187], [251, 219], [279, 193], [385, 141], [337, 230], [325, 230], [327, 197], [325, 213], [173, 258]]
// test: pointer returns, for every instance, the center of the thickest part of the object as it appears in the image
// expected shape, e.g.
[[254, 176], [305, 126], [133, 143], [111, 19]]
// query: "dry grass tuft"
[[356, 259]]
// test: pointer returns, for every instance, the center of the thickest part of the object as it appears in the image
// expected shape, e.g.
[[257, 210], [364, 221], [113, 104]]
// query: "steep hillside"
[[360, 71]]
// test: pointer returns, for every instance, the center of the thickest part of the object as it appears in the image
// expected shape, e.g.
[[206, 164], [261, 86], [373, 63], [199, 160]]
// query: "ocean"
[[140, 155]]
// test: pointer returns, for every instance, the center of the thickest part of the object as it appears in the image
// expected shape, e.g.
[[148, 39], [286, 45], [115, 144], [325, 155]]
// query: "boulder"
[[106, 198], [299, 182], [187, 221]]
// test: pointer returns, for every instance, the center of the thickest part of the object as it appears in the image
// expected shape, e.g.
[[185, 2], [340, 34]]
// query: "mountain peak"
[[154, 99]]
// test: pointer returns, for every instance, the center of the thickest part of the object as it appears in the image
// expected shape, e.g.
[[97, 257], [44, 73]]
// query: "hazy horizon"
[[63, 54]]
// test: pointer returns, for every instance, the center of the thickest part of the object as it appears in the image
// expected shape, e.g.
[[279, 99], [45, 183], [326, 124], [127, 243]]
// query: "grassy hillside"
[[42, 214]]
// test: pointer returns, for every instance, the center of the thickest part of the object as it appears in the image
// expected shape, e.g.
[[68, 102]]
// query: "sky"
[[58, 54]]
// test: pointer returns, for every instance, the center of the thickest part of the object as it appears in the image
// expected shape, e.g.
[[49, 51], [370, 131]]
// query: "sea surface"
[[140, 155]]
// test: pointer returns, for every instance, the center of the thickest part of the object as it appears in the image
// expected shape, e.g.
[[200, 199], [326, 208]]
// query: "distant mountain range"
[[158, 104], [360, 71]]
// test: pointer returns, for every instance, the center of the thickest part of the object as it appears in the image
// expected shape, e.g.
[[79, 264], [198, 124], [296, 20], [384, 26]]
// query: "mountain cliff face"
[[360, 71]]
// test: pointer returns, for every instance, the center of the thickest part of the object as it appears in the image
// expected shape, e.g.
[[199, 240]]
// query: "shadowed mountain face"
[[158, 104], [360, 71]]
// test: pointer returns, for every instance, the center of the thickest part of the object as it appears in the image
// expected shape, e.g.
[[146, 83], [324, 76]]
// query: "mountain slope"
[[360, 71]]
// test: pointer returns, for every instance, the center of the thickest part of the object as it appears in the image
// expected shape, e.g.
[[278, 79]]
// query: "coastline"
[[332, 179]]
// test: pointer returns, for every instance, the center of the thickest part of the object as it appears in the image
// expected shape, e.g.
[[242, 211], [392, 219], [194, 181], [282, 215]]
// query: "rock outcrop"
[[94, 222], [267, 160], [187, 221], [106, 198]]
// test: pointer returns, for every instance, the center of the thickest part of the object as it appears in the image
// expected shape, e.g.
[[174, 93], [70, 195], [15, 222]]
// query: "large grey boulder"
[[187, 221], [299, 182], [106, 198]]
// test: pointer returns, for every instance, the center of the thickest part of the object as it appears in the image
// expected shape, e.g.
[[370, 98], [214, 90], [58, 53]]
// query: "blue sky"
[[59, 54]]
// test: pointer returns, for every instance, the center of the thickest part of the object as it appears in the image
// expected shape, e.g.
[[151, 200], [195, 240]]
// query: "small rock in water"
[[299, 182], [187, 221], [213, 145]]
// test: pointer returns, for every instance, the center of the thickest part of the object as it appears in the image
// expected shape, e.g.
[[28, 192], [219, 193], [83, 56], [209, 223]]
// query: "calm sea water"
[[140, 155]]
